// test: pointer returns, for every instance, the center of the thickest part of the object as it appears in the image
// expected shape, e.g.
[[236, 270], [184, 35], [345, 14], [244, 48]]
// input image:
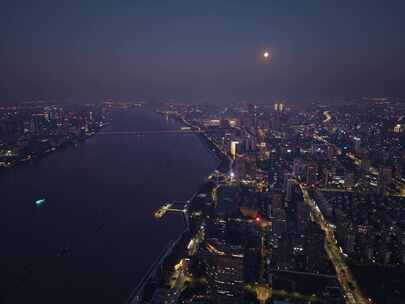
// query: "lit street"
[[352, 291]]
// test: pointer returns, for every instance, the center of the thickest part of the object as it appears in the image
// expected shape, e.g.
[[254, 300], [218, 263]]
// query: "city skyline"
[[294, 203], [211, 152]]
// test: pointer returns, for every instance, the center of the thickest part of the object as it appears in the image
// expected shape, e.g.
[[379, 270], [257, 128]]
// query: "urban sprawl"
[[307, 204]]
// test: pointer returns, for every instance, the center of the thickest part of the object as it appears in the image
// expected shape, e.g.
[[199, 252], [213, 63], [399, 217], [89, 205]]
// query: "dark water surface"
[[95, 236]]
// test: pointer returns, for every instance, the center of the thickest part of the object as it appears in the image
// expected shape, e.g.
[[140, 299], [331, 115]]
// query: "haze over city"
[[200, 51]]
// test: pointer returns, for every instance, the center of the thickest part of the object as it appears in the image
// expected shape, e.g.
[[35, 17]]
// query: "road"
[[351, 290], [358, 160]]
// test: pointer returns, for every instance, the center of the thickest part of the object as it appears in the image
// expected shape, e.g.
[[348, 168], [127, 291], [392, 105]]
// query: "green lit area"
[[40, 202]]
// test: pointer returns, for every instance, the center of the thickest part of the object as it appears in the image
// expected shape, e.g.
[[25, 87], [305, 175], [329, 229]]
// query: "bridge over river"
[[157, 132]]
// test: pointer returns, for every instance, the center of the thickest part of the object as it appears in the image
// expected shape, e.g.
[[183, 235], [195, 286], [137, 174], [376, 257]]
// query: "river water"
[[95, 235]]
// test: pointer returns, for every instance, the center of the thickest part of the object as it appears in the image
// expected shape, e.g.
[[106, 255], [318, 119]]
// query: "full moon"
[[266, 55]]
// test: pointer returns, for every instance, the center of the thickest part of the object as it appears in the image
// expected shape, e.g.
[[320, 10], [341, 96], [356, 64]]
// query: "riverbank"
[[163, 267], [46, 147], [224, 159]]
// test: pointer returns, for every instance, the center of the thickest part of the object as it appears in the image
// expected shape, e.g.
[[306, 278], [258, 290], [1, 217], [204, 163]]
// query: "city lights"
[[203, 152]]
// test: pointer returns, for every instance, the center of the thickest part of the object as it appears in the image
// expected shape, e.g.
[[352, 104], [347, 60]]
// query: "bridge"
[[148, 132], [157, 132]]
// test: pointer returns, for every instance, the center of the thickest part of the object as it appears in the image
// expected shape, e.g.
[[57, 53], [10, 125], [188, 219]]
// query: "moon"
[[266, 55]]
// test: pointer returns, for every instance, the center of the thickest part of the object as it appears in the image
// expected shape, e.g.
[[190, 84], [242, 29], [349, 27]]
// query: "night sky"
[[200, 51]]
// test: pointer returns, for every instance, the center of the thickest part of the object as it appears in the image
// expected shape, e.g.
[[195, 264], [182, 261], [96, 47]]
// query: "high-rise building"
[[279, 107], [38, 122], [227, 141], [398, 170], [313, 246], [349, 180], [234, 148], [290, 189], [286, 178], [332, 153], [314, 147], [327, 176], [225, 275], [350, 242], [296, 167], [365, 164], [311, 175], [357, 145], [385, 178], [250, 144], [398, 128]]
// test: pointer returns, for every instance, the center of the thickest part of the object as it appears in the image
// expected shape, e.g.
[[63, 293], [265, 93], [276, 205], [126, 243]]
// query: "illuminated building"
[[357, 144], [234, 148], [224, 256], [233, 123], [227, 141], [398, 128], [38, 122], [279, 107], [212, 123], [332, 152], [225, 274], [250, 144], [289, 190], [385, 178]]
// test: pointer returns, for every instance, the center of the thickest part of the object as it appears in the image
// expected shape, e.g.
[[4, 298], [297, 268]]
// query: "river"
[[95, 235]]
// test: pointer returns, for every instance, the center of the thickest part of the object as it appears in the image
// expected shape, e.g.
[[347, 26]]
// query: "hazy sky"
[[200, 50]]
